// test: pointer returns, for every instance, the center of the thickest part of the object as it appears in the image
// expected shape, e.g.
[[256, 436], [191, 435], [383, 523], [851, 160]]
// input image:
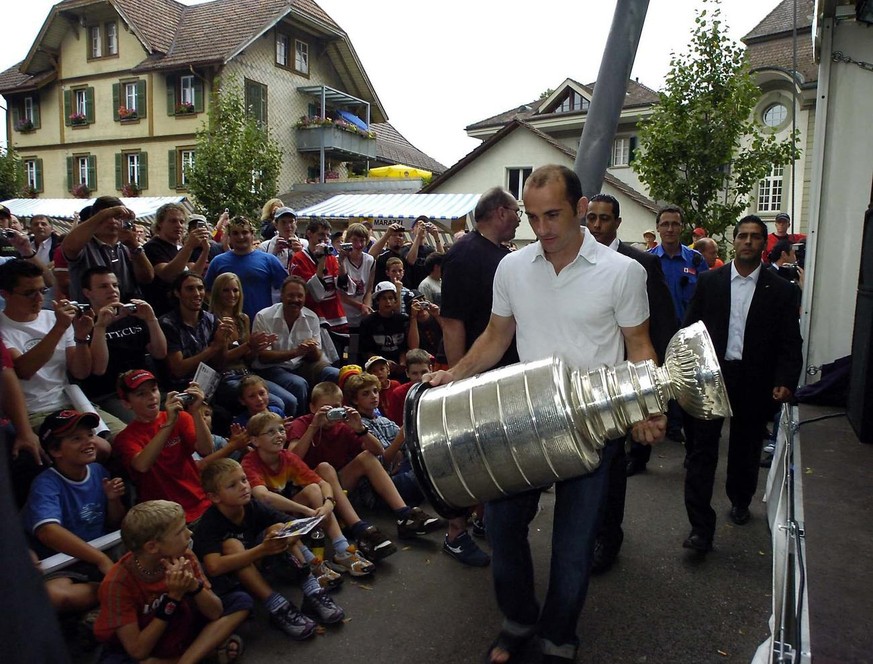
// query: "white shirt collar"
[[753, 276]]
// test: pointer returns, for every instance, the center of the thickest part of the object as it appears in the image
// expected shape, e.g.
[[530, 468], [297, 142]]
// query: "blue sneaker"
[[466, 551]]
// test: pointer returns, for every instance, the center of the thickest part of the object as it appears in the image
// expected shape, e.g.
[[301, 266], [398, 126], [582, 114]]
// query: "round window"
[[775, 114]]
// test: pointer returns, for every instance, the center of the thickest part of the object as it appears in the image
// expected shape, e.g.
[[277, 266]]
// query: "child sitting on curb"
[[345, 444], [280, 479], [71, 503], [237, 536], [155, 601]]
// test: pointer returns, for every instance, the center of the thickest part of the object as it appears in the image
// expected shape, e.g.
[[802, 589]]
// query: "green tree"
[[11, 175], [701, 148], [237, 162]]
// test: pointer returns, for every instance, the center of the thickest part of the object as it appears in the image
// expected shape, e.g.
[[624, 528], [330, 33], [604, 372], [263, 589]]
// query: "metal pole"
[[609, 95]]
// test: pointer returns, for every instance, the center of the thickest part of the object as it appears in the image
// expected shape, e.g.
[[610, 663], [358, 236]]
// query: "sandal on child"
[[511, 644], [231, 650]]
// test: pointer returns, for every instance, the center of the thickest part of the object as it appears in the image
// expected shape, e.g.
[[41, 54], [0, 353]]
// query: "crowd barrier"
[[789, 622]]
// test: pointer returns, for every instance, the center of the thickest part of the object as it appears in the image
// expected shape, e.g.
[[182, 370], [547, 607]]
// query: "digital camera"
[[346, 246], [185, 398], [81, 306], [130, 306], [337, 415]]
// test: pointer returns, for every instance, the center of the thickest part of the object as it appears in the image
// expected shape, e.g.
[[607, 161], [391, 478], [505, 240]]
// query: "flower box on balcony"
[[125, 113], [185, 108], [311, 138], [78, 119], [24, 125]]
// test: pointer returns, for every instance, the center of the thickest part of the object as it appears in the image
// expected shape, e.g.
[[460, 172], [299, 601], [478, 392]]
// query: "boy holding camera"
[[334, 437], [156, 447]]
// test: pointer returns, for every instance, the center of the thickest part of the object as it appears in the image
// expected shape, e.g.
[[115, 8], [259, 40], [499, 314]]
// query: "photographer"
[[124, 336], [107, 238], [390, 245]]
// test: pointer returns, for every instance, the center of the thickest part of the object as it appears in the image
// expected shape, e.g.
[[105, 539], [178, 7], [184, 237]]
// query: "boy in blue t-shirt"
[[70, 504]]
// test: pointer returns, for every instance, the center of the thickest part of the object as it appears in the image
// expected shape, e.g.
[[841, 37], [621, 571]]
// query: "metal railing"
[[789, 623]]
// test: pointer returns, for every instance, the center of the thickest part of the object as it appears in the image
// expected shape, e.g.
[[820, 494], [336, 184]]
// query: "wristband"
[[200, 586], [82, 341], [136, 252], [166, 608], [331, 499], [362, 432]]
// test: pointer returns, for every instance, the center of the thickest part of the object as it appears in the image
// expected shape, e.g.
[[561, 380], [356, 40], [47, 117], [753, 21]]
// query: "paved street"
[[656, 605]]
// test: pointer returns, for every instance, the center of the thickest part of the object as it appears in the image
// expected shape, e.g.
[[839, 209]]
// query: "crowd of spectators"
[[218, 382]]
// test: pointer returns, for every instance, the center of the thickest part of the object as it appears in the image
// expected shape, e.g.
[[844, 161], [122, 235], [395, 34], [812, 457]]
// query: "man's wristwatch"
[[331, 499], [362, 432]]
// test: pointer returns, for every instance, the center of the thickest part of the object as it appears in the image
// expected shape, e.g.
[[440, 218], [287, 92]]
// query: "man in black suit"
[[751, 315], [603, 220]]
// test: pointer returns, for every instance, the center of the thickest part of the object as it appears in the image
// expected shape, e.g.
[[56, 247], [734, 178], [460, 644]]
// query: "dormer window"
[[573, 102], [103, 40]]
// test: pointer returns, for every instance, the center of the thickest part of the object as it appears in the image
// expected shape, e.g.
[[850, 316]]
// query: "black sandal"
[[512, 644]]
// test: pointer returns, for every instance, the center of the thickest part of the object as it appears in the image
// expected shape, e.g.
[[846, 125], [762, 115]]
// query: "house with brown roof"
[[548, 130], [545, 131], [111, 93]]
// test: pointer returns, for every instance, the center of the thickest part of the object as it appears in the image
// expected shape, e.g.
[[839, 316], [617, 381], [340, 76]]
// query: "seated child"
[[362, 393], [155, 601], [71, 503], [381, 369], [253, 394], [237, 536], [283, 481], [349, 447], [156, 447], [383, 332], [418, 363]]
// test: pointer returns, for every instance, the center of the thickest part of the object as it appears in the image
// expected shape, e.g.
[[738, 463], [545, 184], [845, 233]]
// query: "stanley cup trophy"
[[530, 424]]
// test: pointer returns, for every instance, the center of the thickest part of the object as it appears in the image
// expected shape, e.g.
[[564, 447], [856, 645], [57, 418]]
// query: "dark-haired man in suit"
[[751, 315], [603, 220]]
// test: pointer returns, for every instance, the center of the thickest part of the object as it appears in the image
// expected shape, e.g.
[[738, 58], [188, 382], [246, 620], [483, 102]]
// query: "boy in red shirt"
[[156, 447], [155, 601], [348, 446]]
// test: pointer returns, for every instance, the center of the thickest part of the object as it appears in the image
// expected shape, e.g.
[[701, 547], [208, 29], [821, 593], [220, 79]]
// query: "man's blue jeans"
[[576, 520]]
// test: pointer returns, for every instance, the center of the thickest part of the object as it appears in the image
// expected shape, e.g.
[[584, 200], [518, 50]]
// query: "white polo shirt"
[[575, 314]]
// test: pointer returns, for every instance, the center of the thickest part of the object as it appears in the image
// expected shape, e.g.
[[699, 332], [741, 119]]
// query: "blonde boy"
[[155, 601], [238, 535]]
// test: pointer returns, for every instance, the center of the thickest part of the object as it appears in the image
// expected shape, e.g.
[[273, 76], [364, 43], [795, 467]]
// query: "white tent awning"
[[394, 207], [63, 208]]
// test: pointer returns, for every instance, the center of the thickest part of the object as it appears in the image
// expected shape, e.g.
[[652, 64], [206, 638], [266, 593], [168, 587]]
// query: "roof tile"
[[781, 19]]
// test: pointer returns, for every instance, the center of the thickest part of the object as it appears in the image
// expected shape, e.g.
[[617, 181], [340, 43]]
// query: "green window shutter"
[[143, 170], [141, 102], [198, 94], [36, 121], [119, 158], [172, 180], [38, 169], [116, 101], [89, 104], [69, 173], [92, 172], [171, 95], [633, 149], [68, 106]]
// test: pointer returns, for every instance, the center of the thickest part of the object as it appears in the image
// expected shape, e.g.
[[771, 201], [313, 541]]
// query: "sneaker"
[[374, 545], [321, 607], [354, 563], [293, 623], [769, 448], [418, 522], [466, 551], [327, 578], [478, 527]]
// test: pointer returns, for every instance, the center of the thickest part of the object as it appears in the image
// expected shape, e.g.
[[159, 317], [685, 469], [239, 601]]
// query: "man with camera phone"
[[107, 238]]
